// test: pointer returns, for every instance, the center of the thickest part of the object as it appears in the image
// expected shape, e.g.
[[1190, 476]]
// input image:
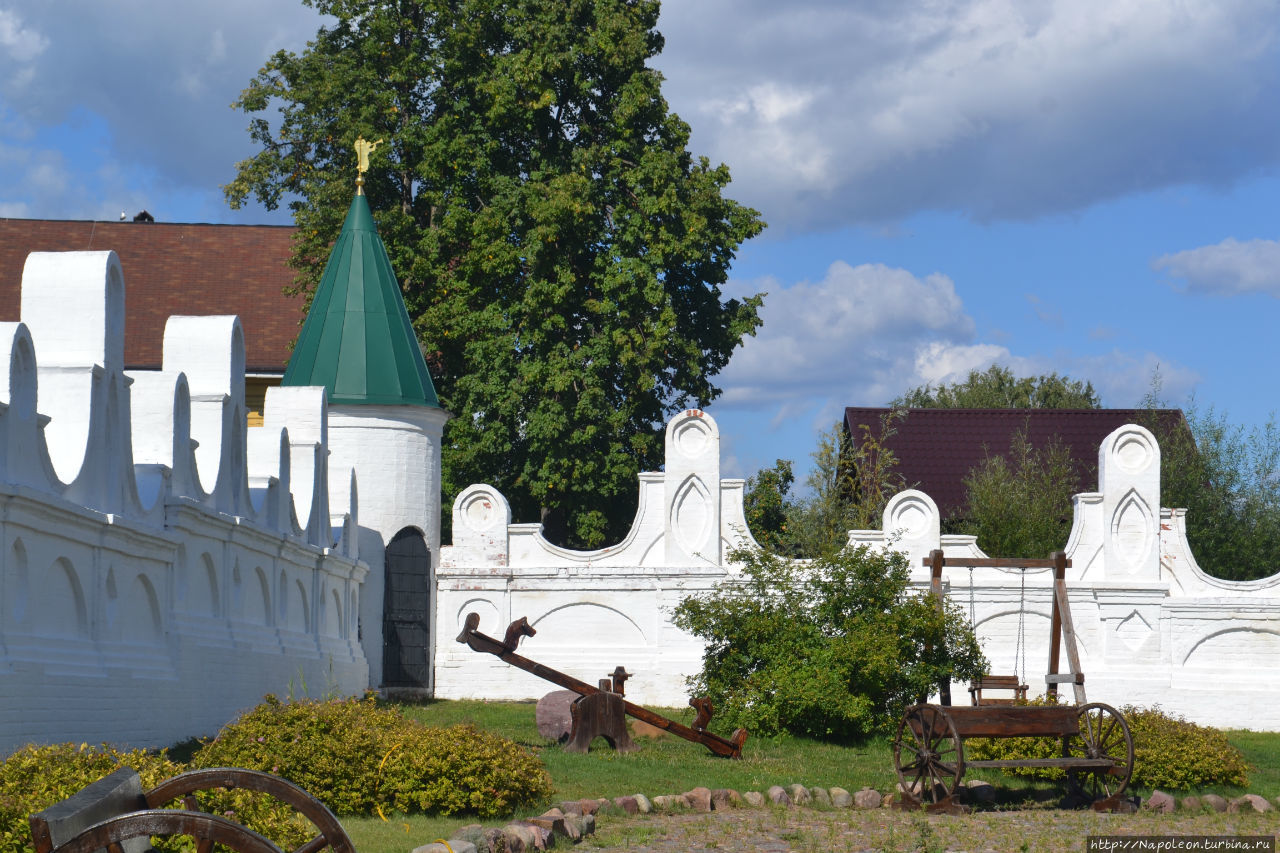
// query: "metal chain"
[[1019, 653]]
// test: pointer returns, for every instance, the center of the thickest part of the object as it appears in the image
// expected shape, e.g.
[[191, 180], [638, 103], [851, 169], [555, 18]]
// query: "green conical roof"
[[357, 340]]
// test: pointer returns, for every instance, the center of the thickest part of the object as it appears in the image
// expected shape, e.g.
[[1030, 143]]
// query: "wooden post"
[[936, 561]]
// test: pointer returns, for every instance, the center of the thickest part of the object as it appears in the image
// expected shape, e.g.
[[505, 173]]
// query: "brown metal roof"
[[936, 448], [175, 269]]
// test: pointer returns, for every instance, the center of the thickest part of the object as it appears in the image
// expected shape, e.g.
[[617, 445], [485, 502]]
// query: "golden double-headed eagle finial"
[[363, 149]]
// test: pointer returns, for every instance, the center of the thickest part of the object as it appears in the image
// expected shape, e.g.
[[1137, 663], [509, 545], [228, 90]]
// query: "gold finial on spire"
[[363, 149]]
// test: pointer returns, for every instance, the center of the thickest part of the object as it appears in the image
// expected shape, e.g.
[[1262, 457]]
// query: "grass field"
[[671, 765]]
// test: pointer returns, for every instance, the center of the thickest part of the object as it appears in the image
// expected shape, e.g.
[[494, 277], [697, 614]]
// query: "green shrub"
[[36, 777], [1169, 752], [358, 759], [832, 648], [1172, 752]]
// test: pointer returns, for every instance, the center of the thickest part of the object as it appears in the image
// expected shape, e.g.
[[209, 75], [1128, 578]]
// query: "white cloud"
[[1001, 108], [22, 43], [1230, 267], [861, 335]]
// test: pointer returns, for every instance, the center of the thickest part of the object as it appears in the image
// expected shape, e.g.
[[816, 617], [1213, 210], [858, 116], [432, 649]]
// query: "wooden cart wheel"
[[1103, 734], [928, 754]]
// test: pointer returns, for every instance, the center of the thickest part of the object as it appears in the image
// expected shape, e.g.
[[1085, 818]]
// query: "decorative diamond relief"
[[1133, 631]]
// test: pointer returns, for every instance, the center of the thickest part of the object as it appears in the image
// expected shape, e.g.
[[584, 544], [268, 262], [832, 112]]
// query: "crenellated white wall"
[[1153, 628], [154, 576]]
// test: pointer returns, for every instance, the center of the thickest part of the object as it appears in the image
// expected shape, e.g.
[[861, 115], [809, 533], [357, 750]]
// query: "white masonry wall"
[[1153, 628], [592, 610], [154, 576]]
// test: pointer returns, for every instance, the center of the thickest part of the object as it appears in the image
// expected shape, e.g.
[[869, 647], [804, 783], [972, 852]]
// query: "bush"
[[358, 759], [832, 648], [36, 777], [1168, 752]]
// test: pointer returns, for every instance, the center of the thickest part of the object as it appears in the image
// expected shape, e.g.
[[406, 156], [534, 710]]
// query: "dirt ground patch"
[[781, 830]]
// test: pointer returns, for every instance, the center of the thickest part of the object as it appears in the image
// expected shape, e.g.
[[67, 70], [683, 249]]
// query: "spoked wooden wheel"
[[1104, 734], [928, 754]]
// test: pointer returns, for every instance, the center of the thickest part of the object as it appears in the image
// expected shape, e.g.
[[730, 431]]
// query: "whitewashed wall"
[[592, 610], [161, 566], [1153, 628]]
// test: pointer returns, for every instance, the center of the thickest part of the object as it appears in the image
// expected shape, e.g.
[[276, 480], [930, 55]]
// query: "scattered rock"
[[725, 798], [543, 837], [639, 728], [519, 839], [1191, 804], [699, 799], [1213, 801], [755, 799], [820, 797], [552, 821], [776, 794], [670, 802], [867, 798], [572, 807], [590, 806], [840, 798], [627, 804], [587, 824], [495, 840], [553, 716], [457, 844], [1160, 802], [799, 794], [643, 803], [1250, 801], [980, 791]]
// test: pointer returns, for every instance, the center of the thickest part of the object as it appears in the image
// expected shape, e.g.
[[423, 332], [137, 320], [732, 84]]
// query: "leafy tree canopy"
[[998, 388], [560, 251]]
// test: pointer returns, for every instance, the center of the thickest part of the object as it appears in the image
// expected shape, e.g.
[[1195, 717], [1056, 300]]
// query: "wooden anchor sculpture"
[[600, 710]]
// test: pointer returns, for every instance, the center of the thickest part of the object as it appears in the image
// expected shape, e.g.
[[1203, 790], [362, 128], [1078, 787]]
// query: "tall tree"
[[561, 252], [998, 388]]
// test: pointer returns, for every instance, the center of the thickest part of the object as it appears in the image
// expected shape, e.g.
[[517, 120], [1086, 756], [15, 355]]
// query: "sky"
[[1080, 186]]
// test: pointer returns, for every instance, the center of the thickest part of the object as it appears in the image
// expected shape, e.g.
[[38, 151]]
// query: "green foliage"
[[1019, 505], [998, 388], [766, 503], [560, 251], [831, 648], [847, 489], [1169, 752], [1175, 753], [36, 777], [1228, 480], [358, 759]]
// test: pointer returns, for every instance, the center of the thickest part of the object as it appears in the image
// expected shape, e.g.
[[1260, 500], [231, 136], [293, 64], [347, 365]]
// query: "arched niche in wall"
[[58, 604]]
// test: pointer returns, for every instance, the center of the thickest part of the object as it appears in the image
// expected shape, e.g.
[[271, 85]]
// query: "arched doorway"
[[406, 613]]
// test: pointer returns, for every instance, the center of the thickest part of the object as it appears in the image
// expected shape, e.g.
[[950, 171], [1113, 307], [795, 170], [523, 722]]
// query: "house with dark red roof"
[[178, 269], [936, 449]]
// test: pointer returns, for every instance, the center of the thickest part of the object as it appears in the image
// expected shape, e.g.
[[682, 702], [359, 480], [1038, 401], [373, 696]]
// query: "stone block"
[[799, 794], [627, 804], [642, 802], [820, 797], [867, 799], [1160, 802], [777, 794], [755, 799], [1213, 801], [699, 799], [840, 798]]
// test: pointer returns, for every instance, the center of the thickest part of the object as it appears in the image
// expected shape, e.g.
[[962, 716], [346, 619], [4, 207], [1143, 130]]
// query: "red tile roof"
[[936, 448], [175, 269]]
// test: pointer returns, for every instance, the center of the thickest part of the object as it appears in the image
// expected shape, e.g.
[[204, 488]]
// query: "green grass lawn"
[[670, 765]]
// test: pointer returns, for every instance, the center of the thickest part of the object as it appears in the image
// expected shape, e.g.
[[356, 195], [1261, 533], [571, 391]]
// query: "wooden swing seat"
[[997, 682]]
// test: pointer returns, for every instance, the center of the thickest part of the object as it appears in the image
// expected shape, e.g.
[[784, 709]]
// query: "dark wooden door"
[[406, 612]]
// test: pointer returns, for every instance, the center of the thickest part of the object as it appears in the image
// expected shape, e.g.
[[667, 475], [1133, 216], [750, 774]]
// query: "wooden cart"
[[1097, 748]]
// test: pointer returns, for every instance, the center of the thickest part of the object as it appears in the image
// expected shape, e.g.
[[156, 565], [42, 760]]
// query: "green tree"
[[767, 503], [1228, 480], [1019, 505], [833, 648], [560, 251], [998, 388]]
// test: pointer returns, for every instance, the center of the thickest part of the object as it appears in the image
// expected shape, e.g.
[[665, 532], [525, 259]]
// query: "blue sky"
[[1068, 185]]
